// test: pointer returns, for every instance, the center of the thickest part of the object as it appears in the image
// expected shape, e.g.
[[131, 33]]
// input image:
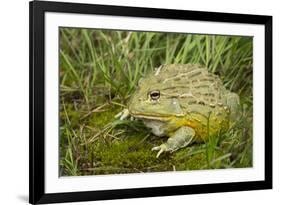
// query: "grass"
[[99, 70]]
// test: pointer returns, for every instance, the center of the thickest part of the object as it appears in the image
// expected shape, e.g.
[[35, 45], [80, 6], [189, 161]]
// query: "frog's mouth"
[[150, 116]]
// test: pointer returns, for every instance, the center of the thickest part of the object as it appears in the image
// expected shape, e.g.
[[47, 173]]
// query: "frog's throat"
[[158, 117]]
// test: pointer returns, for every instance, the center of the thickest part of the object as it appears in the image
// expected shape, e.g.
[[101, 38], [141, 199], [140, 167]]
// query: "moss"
[[184, 161], [100, 119]]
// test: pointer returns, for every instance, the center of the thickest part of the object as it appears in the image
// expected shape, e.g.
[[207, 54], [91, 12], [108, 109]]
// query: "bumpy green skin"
[[192, 105]]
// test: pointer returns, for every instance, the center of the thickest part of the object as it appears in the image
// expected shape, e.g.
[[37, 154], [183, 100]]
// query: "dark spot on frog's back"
[[191, 101], [195, 74], [159, 79], [207, 80], [177, 79], [202, 86], [209, 94], [217, 73]]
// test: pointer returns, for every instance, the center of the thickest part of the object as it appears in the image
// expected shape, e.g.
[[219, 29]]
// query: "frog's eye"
[[154, 95]]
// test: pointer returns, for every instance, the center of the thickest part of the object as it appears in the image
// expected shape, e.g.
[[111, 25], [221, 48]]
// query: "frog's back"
[[191, 85]]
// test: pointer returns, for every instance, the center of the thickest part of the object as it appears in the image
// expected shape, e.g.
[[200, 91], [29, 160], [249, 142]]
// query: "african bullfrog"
[[184, 102]]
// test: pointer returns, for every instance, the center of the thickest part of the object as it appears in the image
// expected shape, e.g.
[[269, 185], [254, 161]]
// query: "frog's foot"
[[123, 114], [233, 103], [181, 138], [162, 148]]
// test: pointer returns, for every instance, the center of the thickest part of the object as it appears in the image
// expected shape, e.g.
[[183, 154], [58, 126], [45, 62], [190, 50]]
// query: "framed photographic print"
[[140, 102]]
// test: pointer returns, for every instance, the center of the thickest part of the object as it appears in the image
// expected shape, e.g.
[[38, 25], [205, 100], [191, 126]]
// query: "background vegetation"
[[99, 70]]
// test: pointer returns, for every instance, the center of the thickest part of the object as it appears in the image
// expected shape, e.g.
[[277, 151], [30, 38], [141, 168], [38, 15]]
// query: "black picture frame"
[[37, 9]]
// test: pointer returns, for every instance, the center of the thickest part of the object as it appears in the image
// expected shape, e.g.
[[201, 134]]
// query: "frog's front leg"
[[181, 138]]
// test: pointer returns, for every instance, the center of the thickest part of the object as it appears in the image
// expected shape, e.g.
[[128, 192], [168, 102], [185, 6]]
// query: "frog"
[[185, 103]]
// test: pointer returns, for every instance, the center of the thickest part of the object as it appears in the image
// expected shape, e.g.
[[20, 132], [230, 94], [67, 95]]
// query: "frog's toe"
[[123, 114], [162, 148]]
